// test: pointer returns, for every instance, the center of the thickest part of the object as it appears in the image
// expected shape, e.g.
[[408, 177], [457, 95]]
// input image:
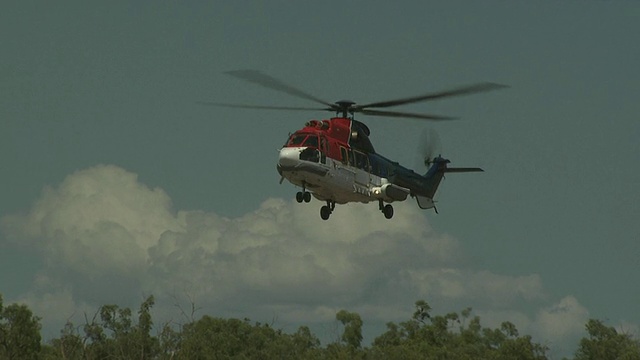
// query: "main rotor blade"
[[465, 90], [265, 107], [405, 115], [462, 170], [272, 83]]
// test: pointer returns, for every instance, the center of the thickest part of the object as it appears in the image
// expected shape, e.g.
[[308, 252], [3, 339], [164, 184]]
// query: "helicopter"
[[334, 160]]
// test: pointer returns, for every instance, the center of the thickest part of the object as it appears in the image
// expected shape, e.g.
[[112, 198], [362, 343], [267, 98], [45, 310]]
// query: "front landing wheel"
[[303, 196]]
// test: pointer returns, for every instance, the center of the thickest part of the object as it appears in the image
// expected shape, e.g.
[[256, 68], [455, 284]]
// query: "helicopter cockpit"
[[300, 140], [312, 152]]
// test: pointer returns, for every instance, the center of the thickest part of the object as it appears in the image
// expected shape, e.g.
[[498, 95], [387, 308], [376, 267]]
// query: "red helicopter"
[[334, 160]]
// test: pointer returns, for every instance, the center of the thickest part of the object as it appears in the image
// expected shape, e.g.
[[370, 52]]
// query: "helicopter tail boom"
[[434, 176]]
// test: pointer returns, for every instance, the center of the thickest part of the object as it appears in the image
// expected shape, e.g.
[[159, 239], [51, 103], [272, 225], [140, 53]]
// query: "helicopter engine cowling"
[[391, 192], [359, 137]]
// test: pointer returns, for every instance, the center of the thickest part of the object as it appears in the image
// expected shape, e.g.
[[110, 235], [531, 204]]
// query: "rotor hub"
[[345, 107]]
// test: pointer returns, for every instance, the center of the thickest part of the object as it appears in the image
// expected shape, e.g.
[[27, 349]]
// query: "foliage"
[[19, 332], [606, 343], [116, 333], [452, 336], [110, 334], [214, 338], [352, 335]]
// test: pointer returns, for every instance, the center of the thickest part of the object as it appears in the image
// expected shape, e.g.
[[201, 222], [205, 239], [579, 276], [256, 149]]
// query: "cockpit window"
[[310, 154], [296, 140], [312, 141], [309, 140]]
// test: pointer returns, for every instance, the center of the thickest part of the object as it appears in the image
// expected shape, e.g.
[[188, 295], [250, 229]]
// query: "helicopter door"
[[346, 173]]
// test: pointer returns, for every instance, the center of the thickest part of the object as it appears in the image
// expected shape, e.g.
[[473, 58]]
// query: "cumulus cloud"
[[105, 237], [566, 318], [485, 287], [97, 220], [560, 324]]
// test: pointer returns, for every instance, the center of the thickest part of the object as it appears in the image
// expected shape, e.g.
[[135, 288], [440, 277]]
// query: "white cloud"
[[484, 287], [56, 307], [97, 220], [561, 325], [565, 319], [106, 237]]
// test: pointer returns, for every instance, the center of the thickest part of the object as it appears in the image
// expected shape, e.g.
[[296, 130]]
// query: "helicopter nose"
[[289, 157]]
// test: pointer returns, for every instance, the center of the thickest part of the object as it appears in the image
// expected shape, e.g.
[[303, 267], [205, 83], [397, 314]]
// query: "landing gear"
[[303, 196], [326, 210], [387, 210]]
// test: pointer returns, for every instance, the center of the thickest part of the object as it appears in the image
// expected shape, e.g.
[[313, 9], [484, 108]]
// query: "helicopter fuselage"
[[335, 161]]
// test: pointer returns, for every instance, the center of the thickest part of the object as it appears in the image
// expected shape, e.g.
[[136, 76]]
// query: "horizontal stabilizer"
[[462, 170]]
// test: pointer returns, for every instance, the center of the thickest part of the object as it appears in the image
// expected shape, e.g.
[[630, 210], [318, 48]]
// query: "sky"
[[117, 184]]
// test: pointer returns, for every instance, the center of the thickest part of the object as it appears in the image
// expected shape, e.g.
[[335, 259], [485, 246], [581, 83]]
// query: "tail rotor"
[[430, 146]]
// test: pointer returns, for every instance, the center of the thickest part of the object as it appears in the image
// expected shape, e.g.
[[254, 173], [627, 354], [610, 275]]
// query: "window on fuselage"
[[310, 154], [362, 161], [345, 156], [352, 158], [297, 140], [311, 141]]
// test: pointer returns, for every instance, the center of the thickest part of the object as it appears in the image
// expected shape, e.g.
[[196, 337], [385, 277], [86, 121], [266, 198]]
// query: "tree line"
[[118, 333]]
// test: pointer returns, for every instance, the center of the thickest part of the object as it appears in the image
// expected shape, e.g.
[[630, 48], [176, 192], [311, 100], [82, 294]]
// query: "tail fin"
[[434, 176]]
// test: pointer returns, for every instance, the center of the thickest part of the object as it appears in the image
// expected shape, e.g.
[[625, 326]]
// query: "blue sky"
[[111, 168]]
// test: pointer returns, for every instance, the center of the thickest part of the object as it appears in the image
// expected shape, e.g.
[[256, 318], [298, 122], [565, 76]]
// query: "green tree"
[[452, 336], [352, 322], [69, 346], [349, 345], [214, 338], [110, 334], [169, 341], [19, 332], [147, 345], [115, 335], [305, 344], [604, 343]]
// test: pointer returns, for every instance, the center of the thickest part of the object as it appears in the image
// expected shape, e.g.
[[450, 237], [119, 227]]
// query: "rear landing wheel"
[[325, 212], [388, 211]]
